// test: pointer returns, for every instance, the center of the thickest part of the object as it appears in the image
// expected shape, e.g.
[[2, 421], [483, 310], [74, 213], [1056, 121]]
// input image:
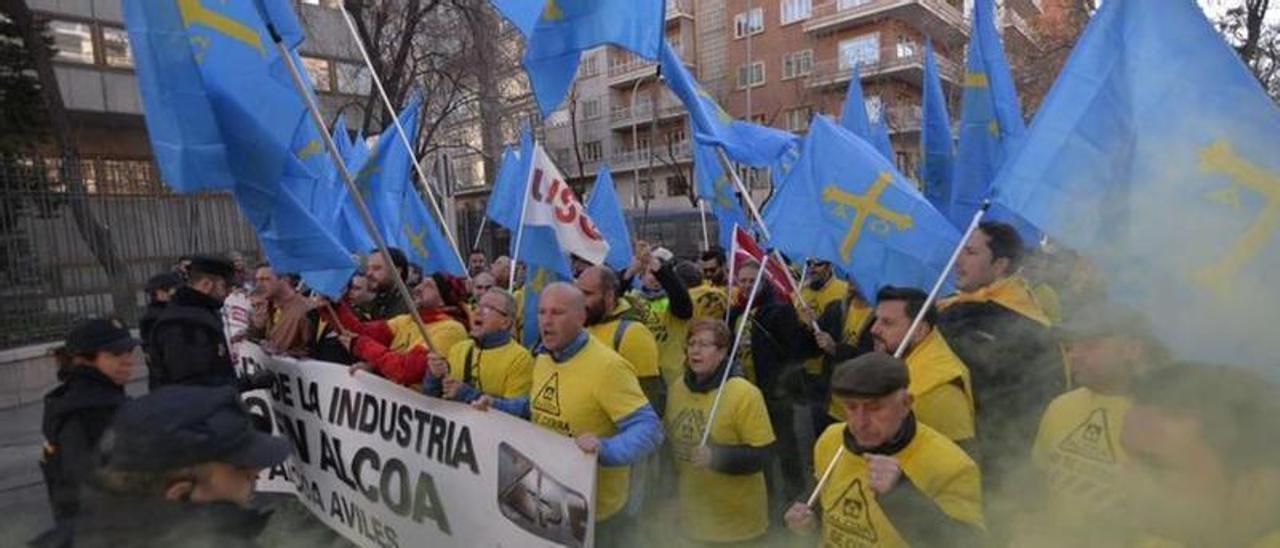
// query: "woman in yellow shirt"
[[721, 485]]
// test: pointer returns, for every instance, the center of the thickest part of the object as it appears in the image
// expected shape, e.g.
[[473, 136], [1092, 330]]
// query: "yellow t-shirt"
[[717, 507], [831, 293], [1047, 296], [588, 393], [933, 464], [503, 372], [1078, 453], [637, 347], [670, 334], [444, 334]]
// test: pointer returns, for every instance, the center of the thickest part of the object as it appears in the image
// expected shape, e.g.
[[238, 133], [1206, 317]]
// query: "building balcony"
[[905, 119], [677, 9], [1030, 7], [835, 73], [623, 117], [1017, 30], [629, 160], [626, 69], [936, 18]]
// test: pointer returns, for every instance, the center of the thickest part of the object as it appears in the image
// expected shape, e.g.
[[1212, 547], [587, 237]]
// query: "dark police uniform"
[[187, 344]]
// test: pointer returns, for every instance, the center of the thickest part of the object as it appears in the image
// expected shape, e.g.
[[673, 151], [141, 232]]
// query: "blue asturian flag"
[[714, 187], [747, 143], [937, 159], [845, 203], [508, 187], [558, 31], [383, 176], [603, 208], [223, 113], [1154, 155]]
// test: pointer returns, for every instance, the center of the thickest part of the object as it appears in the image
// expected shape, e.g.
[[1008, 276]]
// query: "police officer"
[[177, 468], [188, 345], [94, 366]]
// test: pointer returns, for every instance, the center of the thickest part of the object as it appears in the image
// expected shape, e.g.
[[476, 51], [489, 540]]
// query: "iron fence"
[[51, 274]]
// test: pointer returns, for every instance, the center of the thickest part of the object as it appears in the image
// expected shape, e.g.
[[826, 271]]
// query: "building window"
[[848, 4], [592, 152], [561, 156], [875, 108], [906, 47], [558, 118], [677, 186], [646, 189], [798, 119], [864, 49], [590, 109], [353, 79], [795, 10], [74, 41], [115, 47], [755, 76], [748, 22], [319, 71], [590, 66], [795, 64], [753, 178]]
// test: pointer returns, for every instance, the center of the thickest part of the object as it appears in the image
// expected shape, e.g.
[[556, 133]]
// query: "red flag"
[[745, 248]]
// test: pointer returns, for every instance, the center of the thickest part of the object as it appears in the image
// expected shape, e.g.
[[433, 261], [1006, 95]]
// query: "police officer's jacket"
[[188, 345], [76, 414]]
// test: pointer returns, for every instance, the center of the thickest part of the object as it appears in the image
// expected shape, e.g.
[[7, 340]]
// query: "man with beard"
[[613, 322], [477, 263], [386, 303]]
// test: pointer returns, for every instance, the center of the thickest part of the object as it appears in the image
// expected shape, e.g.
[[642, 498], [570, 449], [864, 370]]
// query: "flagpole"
[[404, 139], [702, 212], [733, 353], [742, 189], [352, 189], [915, 324], [524, 210], [484, 221]]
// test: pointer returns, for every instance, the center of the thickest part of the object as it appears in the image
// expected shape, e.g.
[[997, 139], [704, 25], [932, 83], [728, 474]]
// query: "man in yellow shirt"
[[939, 380], [821, 290], [583, 389], [896, 482], [999, 331], [613, 322], [1082, 469], [490, 362]]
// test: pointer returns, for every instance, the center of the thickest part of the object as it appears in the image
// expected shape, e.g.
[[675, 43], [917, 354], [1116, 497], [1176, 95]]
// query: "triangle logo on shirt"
[[1092, 439], [548, 396], [851, 515]]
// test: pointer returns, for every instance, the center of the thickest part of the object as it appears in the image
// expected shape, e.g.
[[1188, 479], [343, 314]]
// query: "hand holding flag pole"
[[733, 353], [296, 75], [906, 340], [400, 131]]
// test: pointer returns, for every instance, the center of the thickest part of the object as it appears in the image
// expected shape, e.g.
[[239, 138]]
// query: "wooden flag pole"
[[733, 353]]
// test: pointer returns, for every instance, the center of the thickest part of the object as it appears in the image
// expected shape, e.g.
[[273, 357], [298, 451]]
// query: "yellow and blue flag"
[[714, 187], [603, 208], [1155, 154], [937, 145], [751, 144], [847, 204], [505, 199], [990, 119], [383, 176], [853, 115], [880, 137], [223, 114], [558, 31]]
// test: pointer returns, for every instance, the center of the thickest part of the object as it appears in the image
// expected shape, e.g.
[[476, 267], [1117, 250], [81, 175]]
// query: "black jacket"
[[777, 344], [119, 522], [188, 344], [76, 414], [386, 304], [1016, 367], [148, 321]]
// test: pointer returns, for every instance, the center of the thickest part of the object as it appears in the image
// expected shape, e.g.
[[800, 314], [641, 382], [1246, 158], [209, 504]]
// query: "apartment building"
[[94, 67], [792, 58]]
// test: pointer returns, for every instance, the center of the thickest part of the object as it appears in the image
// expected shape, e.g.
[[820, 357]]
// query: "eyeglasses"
[[494, 310]]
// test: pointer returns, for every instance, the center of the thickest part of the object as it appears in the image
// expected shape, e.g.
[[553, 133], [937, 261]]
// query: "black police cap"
[[870, 376], [166, 280], [100, 334], [213, 266], [178, 426]]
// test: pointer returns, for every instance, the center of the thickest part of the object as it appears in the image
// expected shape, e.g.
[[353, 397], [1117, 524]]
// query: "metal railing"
[[50, 276], [847, 11], [837, 71]]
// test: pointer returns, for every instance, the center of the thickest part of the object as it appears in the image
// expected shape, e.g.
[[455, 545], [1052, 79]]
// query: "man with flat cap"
[[187, 344], [177, 468], [896, 482]]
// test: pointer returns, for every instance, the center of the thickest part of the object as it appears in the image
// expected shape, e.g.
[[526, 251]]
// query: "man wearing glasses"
[[490, 362]]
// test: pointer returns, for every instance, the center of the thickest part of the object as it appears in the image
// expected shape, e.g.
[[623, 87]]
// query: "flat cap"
[[869, 376]]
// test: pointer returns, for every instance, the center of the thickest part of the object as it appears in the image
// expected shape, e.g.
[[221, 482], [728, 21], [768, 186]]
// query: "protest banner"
[[385, 466]]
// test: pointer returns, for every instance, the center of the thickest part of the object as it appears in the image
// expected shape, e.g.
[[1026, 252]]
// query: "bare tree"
[[1257, 43]]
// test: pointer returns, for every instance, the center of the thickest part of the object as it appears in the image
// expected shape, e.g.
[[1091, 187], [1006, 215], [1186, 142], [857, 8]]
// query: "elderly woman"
[[721, 484]]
